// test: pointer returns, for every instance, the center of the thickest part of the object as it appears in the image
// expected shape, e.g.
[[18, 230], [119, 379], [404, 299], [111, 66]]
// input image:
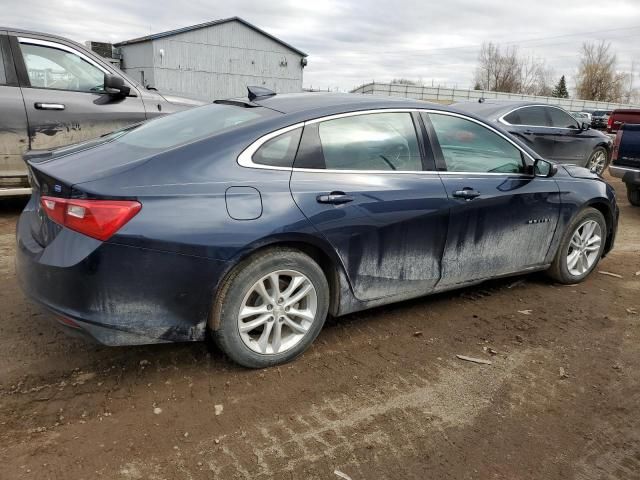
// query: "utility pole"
[[633, 69]]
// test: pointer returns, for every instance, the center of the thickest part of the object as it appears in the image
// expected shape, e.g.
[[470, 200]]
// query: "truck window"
[[60, 69], [3, 77]]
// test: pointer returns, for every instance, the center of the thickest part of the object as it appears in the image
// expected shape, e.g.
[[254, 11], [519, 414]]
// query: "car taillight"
[[616, 145], [610, 122], [99, 219]]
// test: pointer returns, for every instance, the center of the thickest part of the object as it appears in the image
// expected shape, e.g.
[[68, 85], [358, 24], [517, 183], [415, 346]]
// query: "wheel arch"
[[604, 207], [320, 251]]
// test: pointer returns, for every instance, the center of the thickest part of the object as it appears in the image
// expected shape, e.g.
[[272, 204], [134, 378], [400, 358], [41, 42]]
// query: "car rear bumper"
[[117, 294]]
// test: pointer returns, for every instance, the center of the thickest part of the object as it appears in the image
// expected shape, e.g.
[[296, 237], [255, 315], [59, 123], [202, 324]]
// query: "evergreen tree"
[[560, 90]]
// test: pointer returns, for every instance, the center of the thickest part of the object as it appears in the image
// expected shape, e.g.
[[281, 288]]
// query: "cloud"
[[352, 42]]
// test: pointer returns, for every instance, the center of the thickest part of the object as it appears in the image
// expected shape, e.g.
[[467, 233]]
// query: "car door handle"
[[49, 106], [528, 132], [335, 198], [466, 193]]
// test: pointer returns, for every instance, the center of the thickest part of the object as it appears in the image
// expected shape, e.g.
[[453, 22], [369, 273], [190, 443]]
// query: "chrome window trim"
[[60, 46], [245, 158], [503, 121]]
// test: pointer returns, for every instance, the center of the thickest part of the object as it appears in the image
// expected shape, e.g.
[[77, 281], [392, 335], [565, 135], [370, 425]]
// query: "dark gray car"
[[549, 130], [55, 92]]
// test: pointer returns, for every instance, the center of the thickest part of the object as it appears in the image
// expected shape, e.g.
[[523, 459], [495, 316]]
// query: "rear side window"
[[469, 147], [279, 151], [533, 116], [190, 125], [561, 119], [378, 141]]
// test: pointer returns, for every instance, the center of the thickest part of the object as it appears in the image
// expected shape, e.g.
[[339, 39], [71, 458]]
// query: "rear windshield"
[[189, 125], [600, 113]]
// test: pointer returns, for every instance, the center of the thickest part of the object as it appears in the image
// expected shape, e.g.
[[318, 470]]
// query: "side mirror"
[[542, 168], [584, 126], [115, 85]]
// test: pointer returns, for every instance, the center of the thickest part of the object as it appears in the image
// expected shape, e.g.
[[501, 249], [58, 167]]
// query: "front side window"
[[50, 67], [377, 141], [469, 147], [279, 151], [561, 119], [532, 116]]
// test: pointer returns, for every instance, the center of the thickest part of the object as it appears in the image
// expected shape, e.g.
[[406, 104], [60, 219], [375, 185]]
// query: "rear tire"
[[633, 194], [270, 308], [577, 255], [599, 159]]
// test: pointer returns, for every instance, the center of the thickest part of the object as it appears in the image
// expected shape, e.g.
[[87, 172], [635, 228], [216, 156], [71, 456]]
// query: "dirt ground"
[[381, 393]]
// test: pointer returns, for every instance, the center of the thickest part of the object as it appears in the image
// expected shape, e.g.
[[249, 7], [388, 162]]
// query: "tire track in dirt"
[[343, 430]]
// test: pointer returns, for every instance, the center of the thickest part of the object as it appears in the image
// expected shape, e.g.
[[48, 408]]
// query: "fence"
[[454, 95]]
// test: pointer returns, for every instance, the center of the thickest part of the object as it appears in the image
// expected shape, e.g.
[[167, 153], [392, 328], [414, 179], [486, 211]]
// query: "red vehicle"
[[620, 117]]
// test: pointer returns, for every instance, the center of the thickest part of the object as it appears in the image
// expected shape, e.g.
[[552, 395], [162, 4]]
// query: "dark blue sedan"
[[255, 218]]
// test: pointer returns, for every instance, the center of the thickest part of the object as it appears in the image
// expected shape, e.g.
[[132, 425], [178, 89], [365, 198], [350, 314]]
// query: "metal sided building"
[[213, 60]]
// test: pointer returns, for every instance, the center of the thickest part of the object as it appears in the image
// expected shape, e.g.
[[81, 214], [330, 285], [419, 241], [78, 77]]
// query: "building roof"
[[169, 33]]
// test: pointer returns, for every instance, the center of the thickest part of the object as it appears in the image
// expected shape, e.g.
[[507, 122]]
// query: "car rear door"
[[360, 178], [502, 219], [572, 143], [532, 125], [63, 90], [13, 125]]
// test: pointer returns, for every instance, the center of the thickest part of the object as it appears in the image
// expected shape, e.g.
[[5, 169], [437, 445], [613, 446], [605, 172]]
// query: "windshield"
[[190, 125]]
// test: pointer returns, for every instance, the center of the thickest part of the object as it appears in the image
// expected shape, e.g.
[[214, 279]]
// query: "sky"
[[351, 42]]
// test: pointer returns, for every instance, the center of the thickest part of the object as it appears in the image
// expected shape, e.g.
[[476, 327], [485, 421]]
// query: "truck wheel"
[[270, 308], [633, 194], [581, 248], [598, 160]]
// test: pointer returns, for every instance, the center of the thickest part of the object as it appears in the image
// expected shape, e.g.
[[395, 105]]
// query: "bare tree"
[[497, 70], [506, 71], [535, 77], [597, 77]]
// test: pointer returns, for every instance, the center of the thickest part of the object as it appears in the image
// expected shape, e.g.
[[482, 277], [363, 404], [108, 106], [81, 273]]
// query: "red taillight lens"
[[95, 218], [610, 122], [616, 146]]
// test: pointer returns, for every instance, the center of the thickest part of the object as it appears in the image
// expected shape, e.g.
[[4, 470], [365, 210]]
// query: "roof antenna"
[[259, 92]]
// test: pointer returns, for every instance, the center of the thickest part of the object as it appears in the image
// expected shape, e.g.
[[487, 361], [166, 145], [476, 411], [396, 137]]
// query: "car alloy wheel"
[[598, 161], [277, 312], [584, 248]]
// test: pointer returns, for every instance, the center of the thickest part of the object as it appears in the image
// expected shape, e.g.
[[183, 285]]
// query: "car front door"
[[572, 143], [360, 179], [532, 126], [63, 91], [502, 219]]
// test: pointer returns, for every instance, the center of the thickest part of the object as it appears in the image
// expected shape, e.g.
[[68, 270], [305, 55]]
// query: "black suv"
[[599, 118]]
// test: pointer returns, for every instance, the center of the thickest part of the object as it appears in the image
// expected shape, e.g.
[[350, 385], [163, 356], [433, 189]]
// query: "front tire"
[[581, 248], [271, 308], [598, 160], [633, 194]]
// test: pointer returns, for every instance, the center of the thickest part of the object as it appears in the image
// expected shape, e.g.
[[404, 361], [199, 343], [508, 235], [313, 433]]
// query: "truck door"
[[64, 96], [13, 126]]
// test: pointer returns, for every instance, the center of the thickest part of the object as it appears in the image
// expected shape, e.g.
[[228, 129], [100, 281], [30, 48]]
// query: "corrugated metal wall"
[[453, 95], [138, 62], [218, 62]]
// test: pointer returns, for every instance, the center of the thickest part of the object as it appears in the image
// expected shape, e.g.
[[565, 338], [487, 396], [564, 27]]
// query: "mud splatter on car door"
[[507, 228]]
